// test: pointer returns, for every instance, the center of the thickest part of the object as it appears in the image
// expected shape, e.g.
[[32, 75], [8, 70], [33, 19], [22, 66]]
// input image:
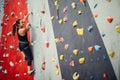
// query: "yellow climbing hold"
[[76, 76], [75, 23], [109, 0], [80, 31], [56, 3], [118, 29], [61, 57], [57, 40], [60, 21], [111, 54], [76, 51], [53, 59], [79, 12], [57, 72], [52, 18], [82, 60]]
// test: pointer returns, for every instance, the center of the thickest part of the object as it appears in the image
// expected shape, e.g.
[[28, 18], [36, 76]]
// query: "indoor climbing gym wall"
[[70, 39], [12, 66]]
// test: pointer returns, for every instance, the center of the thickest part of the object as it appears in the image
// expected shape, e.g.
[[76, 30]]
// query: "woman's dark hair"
[[15, 26]]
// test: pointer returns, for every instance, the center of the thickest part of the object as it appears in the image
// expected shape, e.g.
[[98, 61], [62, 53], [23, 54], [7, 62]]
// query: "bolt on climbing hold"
[[79, 12], [95, 15], [74, 5], [90, 49], [97, 47], [1, 67], [61, 57], [4, 71], [75, 24], [64, 10], [108, 0], [75, 51], [53, 59], [90, 28], [76, 76], [118, 28], [60, 21], [47, 44], [65, 19], [111, 54], [57, 72], [80, 31], [57, 40], [61, 39], [66, 46], [43, 64], [11, 47], [95, 5], [109, 19], [71, 64], [11, 64], [52, 17], [81, 60], [105, 75], [42, 29], [56, 3], [83, 2]]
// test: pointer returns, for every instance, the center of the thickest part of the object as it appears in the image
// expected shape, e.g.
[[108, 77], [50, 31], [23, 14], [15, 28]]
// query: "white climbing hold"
[[11, 47], [18, 3], [74, 5], [76, 76], [11, 64], [66, 46], [81, 60], [79, 12], [1, 67]]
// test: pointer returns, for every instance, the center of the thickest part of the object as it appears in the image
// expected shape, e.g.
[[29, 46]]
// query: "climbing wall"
[[79, 45], [12, 66]]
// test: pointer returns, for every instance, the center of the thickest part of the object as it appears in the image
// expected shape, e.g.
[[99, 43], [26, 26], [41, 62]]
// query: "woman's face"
[[21, 24]]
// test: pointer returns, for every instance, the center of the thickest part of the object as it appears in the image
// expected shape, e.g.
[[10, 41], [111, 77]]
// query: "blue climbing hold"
[[104, 57], [97, 47], [91, 78], [90, 28], [95, 5]]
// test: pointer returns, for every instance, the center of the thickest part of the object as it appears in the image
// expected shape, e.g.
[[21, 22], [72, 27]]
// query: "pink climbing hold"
[[42, 29], [64, 10], [65, 19]]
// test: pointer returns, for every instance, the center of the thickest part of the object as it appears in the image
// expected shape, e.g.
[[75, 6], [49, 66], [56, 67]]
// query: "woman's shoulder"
[[21, 30]]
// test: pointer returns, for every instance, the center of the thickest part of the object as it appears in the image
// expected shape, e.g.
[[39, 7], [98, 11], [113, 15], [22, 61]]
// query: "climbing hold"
[[43, 65], [79, 12], [57, 66], [83, 2], [43, 11], [76, 76], [111, 54], [11, 64], [1, 67], [95, 5], [1, 61], [4, 71], [95, 15], [105, 76], [71, 64], [12, 14], [57, 72], [64, 10], [90, 28], [61, 57], [17, 75], [97, 47], [42, 29], [109, 19], [75, 24], [18, 3], [80, 31], [103, 35], [61, 39], [11, 47], [74, 5], [90, 49], [20, 13], [104, 57], [65, 19], [47, 44], [91, 78], [53, 59], [60, 21], [9, 33], [82, 60], [108, 0], [66, 46], [118, 29], [57, 40], [75, 51], [52, 18], [56, 3]]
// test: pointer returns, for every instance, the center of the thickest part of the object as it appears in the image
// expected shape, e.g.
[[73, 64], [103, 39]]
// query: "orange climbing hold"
[[90, 49]]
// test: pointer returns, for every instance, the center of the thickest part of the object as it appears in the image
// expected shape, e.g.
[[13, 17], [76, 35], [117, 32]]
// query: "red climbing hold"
[[43, 11], [47, 44], [104, 75], [109, 19], [42, 29]]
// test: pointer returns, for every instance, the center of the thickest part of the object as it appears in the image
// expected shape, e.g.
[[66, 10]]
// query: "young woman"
[[21, 31]]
